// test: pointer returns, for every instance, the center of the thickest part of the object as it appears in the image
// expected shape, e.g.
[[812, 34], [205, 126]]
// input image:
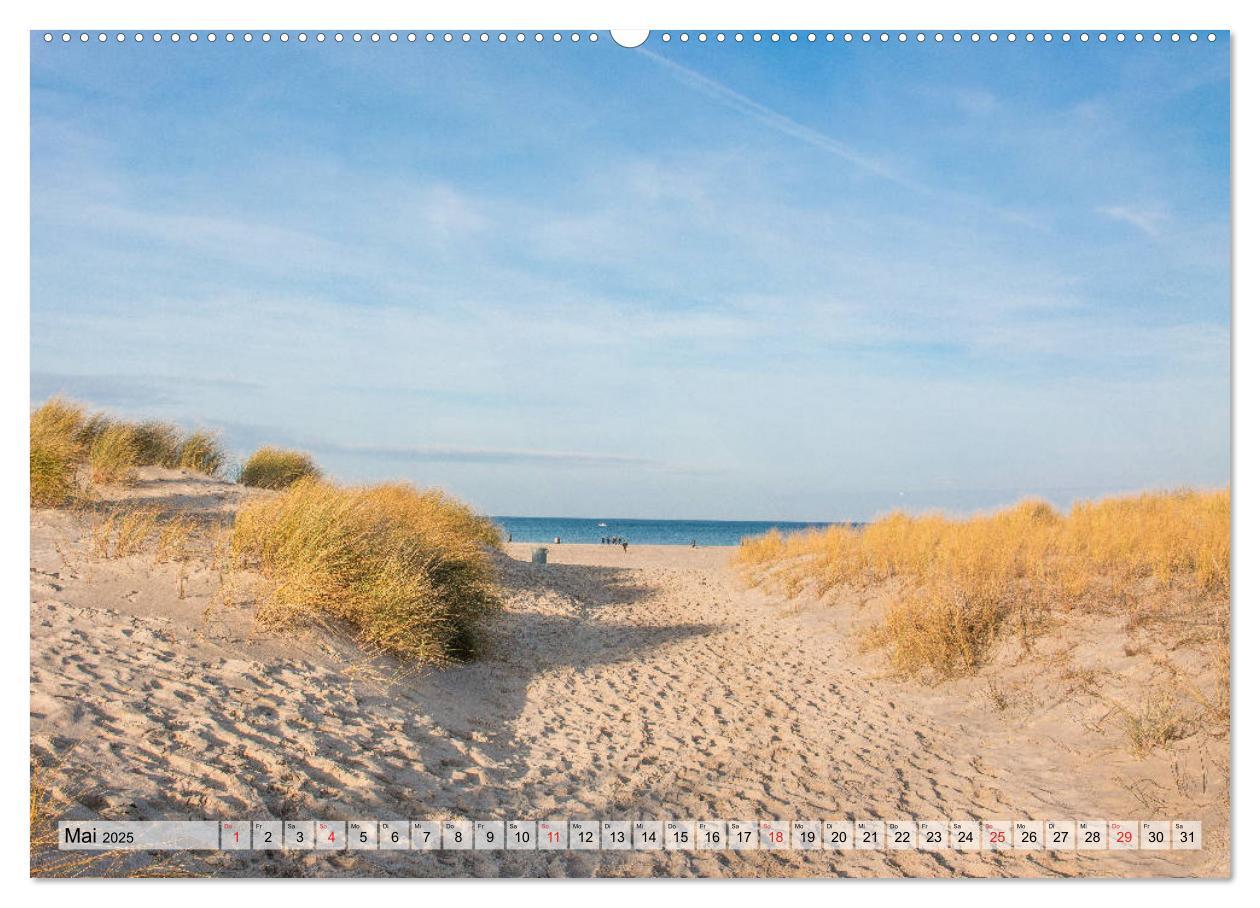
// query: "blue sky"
[[780, 281]]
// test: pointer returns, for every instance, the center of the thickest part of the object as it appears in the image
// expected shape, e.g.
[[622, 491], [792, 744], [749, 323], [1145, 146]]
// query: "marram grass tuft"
[[56, 451], [959, 585], [201, 453], [408, 572], [114, 455], [276, 468], [157, 444], [65, 436]]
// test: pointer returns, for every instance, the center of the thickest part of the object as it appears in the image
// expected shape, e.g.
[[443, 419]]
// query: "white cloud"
[[507, 456], [1151, 220], [975, 101]]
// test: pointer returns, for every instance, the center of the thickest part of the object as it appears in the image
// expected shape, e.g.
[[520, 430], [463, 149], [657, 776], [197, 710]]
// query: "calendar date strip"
[[630, 835]]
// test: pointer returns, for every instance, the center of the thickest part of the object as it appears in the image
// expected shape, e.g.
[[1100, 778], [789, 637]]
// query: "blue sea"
[[642, 532]]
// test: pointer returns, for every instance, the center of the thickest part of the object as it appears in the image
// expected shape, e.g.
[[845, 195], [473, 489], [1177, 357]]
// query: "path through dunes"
[[620, 685], [741, 707]]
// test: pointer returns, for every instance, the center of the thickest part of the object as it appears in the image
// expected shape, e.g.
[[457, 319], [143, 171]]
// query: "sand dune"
[[639, 684]]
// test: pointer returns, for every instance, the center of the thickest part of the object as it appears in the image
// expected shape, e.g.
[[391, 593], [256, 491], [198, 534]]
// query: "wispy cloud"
[[1150, 220], [444, 454], [975, 102], [128, 391]]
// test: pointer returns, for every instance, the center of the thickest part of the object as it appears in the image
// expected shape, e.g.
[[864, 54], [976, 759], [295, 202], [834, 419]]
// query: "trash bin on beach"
[[539, 555]]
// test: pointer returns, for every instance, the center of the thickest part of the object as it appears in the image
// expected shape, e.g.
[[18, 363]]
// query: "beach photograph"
[[671, 454]]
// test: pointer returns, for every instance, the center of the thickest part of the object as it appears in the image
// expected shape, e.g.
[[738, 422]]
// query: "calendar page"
[[568, 452]]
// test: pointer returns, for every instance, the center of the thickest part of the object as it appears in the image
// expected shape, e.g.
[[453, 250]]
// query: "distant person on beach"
[[693, 543], [625, 546], [557, 540], [509, 537]]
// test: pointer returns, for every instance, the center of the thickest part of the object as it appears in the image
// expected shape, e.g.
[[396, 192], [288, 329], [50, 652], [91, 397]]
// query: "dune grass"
[[65, 436], [174, 538], [91, 427], [56, 450], [276, 468], [1155, 723], [54, 463], [60, 418], [131, 529], [114, 454], [52, 474], [959, 585], [407, 571], [201, 453], [157, 444]]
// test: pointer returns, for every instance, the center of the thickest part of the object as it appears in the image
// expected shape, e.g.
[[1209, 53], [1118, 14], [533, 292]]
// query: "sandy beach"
[[648, 683]]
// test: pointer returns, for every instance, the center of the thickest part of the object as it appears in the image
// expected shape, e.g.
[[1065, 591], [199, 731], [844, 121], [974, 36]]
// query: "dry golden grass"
[[961, 584], [407, 571], [133, 530], [1156, 722], [1163, 536], [101, 537], [61, 418], [92, 426], [174, 537], [55, 452], [114, 455], [276, 468], [157, 443], [201, 453], [129, 530], [64, 436], [53, 468]]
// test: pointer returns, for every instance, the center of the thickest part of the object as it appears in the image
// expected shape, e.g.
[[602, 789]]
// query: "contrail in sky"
[[789, 127]]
